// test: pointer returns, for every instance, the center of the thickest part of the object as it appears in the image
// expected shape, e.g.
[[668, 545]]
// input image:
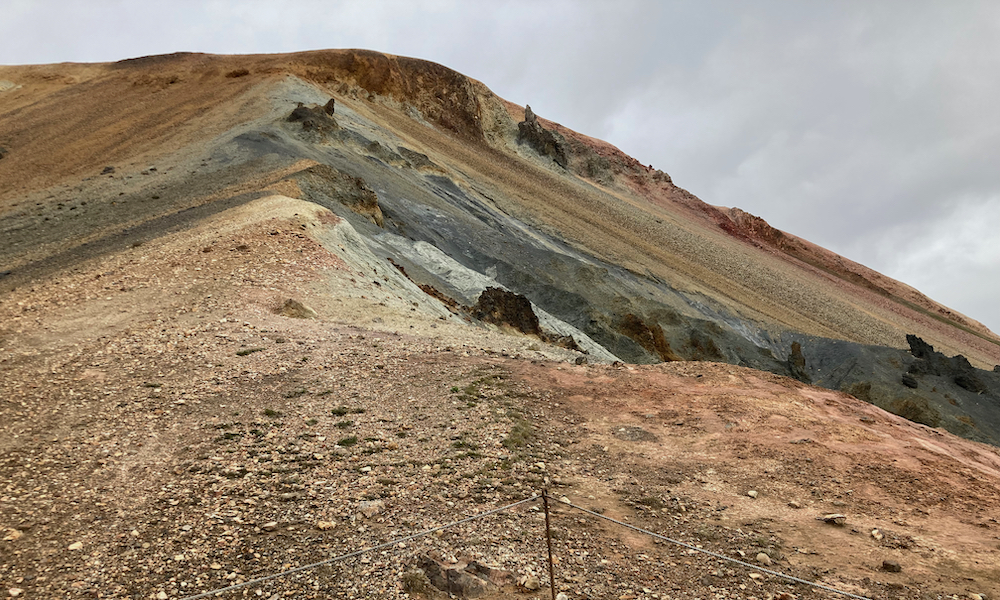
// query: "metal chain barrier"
[[360, 552], [717, 555]]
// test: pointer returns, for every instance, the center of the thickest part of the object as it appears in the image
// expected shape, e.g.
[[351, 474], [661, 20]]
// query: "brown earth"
[[160, 412]]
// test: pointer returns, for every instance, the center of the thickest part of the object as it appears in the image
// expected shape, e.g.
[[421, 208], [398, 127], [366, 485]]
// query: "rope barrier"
[[717, 555], [533, 498], [359, 552]]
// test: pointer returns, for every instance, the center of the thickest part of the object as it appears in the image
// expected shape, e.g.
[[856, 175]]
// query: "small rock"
[[215, 566], [269, 526], [752, 493], [325, 525], [764, 559], [564, 500], [370, 508], [891, 566], [833, 519], [76, 545], [784, 596], [975, 596], [296, 310], [562, 596], [161, 596], [366, 469], [756, 576], [531, 583], [794, 504], [581, 360], [877, 534], [14, 592]]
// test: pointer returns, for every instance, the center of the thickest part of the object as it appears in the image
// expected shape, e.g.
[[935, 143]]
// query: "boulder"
[[502, 307], [465, 580], [296, 310]]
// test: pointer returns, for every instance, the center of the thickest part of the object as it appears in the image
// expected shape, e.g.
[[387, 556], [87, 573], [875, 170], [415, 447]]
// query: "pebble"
[[752, 493], [764, 559], [794, 504], [370, 508], [562, 596], [891, 566], [325, 525], [215, 566], [531, 583], [15, 592], [269, 526], [833, 518], [161, 596], [76, 545]]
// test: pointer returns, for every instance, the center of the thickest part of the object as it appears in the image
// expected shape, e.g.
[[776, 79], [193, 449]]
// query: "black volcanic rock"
[[501, 307], [919, 348]]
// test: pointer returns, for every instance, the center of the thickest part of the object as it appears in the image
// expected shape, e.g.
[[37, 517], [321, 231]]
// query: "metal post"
[[548, 541]]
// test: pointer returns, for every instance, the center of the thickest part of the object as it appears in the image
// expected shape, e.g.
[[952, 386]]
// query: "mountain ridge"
[[257, 311]]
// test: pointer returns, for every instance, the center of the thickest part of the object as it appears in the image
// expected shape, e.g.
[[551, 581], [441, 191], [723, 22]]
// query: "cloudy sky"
[[870, 128]]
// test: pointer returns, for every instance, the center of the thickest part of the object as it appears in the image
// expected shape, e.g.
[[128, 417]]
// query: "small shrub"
[[270, 412], [348, 442], [519, 435], [344, 424], [237, 73], [246, 351], [296, 393]]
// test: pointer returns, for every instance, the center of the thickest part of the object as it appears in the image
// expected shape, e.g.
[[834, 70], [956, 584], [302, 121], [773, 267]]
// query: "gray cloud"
[[868, 128]]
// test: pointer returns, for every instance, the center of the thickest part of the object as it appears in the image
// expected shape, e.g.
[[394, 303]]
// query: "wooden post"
[[548, 541]]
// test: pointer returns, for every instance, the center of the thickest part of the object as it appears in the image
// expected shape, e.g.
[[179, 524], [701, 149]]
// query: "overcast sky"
[[870, 128]]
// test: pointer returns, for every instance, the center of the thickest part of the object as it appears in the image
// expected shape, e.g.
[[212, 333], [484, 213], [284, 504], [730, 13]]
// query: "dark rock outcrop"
[[314, 118], [505, 308], [932, 362], [547, 143]]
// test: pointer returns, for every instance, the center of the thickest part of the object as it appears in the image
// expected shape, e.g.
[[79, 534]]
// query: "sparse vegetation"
[[247, 351]]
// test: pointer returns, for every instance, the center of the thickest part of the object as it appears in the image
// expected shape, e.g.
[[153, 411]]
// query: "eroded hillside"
[[242, 295]]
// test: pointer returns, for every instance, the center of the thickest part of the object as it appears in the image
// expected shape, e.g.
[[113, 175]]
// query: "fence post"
[[548, 541]]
